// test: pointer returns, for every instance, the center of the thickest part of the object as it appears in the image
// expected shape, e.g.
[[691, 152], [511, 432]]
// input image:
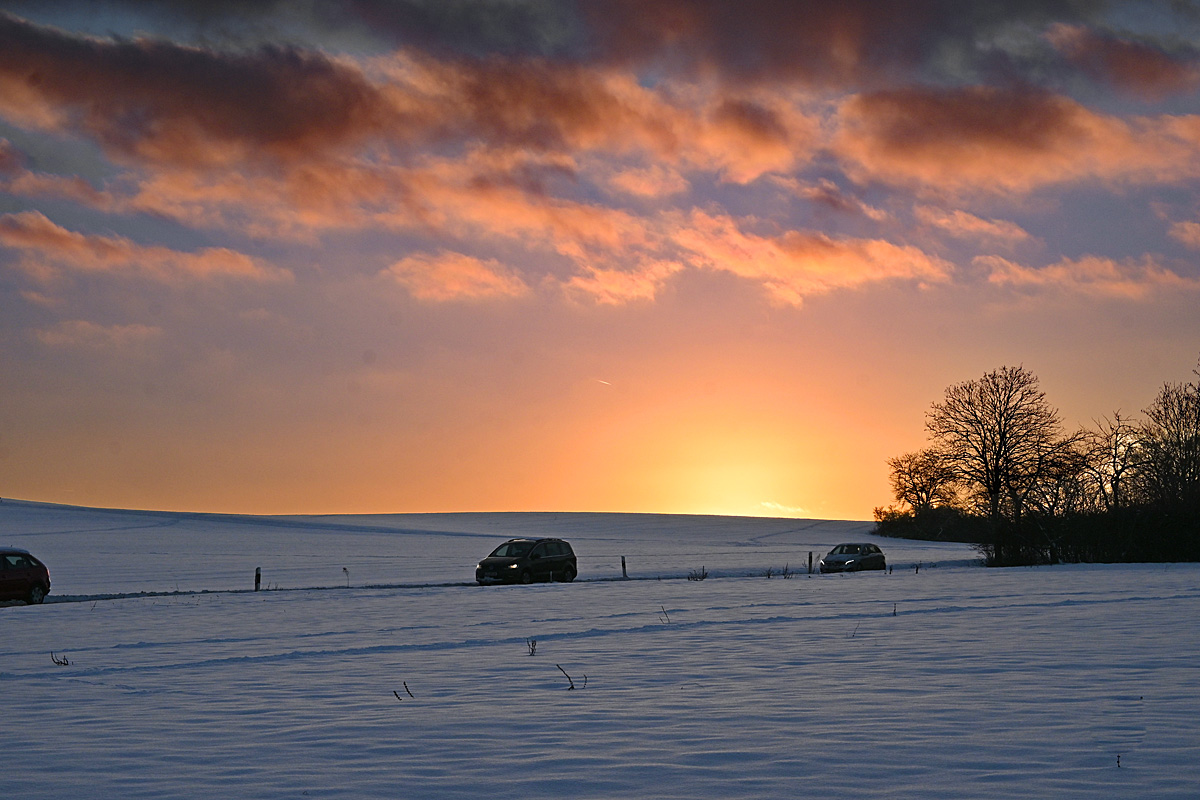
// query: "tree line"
[[1002, 471]]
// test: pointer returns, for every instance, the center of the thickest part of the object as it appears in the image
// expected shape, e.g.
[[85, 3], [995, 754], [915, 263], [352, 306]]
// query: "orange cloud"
[[48, 247], [476, 196], [798, 264], [1091, 275], [453, 276]]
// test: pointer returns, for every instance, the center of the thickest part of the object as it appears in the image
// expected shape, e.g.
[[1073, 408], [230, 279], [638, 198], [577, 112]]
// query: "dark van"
[[528, 560]]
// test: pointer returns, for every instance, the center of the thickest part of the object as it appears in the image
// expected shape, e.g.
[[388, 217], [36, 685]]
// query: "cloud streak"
[[48, 248], [1091, 275], [81, 334]]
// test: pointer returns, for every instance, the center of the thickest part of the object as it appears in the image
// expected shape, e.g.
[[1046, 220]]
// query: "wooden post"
[[257, 577], [810, 562], [624, 573]]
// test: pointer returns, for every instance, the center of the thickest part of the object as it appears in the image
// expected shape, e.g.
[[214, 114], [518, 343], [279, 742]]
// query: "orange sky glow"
[[680, 256]]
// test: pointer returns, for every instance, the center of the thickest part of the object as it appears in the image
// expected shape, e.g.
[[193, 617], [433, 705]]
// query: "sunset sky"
[[574, 255]]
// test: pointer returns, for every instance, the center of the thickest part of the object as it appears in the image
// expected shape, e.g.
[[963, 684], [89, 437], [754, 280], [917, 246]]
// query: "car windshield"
[[512, 549], [846, 550]]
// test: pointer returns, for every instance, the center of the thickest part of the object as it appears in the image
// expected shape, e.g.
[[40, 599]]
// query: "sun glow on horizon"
[[661, 256]]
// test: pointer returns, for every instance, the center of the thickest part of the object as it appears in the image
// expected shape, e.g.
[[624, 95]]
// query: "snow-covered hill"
[[372, 667]]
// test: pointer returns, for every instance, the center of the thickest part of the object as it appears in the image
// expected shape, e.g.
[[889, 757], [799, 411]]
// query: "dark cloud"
[[462, 27], [163, 101], [469, 27], [537, 107], [11, 161], [823, 42], [977, 117], [1006, 139], [1139, 67], [760, 123], [820, 42]]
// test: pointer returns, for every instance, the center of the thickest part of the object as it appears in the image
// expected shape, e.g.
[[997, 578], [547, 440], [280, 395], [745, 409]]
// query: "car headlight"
[[512, 566]]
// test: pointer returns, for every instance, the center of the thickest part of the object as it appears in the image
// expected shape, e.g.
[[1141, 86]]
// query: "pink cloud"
[[966, 225], [1186, 232]]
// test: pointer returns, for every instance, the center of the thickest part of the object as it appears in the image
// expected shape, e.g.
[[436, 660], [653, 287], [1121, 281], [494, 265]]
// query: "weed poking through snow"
[[572, 687]]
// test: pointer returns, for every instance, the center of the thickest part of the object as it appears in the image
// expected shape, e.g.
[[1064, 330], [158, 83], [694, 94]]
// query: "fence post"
[[810, 562], [257, 577], [624, 574]]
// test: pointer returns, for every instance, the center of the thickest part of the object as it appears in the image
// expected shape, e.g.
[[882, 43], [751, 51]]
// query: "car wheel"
[[36, 595], [568, 574], [526, 577]]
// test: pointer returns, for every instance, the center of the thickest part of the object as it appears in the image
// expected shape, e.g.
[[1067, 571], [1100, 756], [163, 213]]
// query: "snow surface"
[[948, 681]]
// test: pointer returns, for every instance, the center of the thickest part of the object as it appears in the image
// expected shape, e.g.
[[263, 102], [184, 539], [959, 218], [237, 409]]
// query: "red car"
[[22, 577]]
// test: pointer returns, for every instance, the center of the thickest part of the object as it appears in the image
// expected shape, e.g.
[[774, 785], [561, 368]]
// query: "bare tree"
[[1111, 453], [1061, 484], [1001, 437], [922, 480], [1170, 446]]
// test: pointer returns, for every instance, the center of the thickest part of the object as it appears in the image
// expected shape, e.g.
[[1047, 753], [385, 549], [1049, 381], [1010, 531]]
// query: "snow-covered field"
[[371, 665]]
